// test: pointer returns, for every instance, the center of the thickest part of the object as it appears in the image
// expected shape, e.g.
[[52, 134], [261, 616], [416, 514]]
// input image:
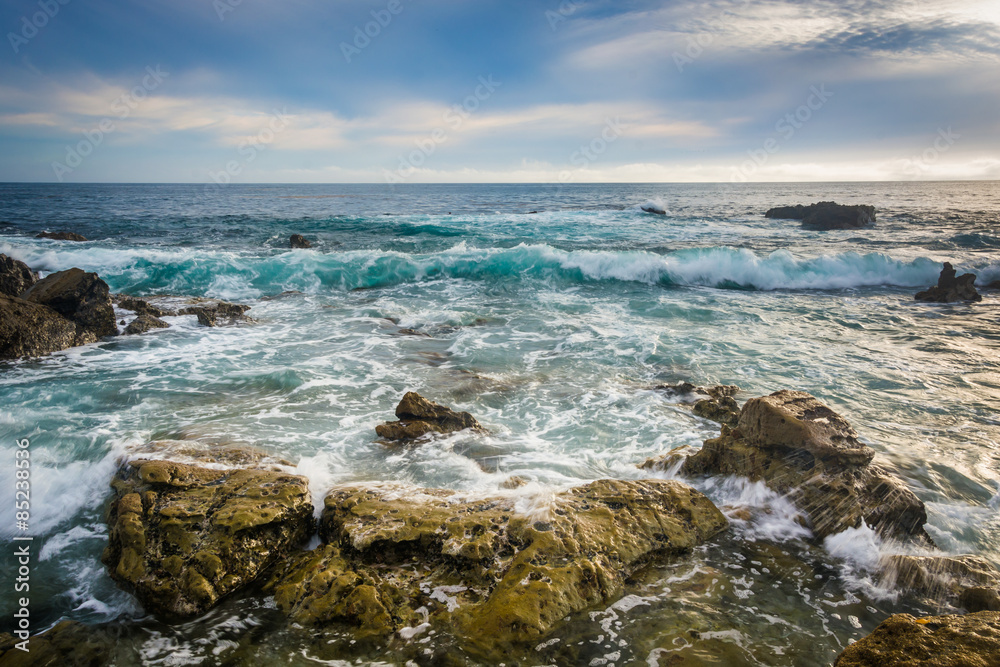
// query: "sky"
[[553, 91]]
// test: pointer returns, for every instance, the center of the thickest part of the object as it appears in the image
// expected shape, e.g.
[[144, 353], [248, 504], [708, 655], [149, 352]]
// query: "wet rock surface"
[[826, 215], [940, 578], [802, 448], [32, 330], [217, 313], [80, 297], [141, 306], [972, 640], [499, 577], [68, 643], [299, 241], [181, 537], [419, 417], [15, 276], [951, 287], [61, 236], [145, 322]]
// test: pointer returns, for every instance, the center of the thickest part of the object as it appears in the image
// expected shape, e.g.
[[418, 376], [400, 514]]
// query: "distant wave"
[[145, 271]]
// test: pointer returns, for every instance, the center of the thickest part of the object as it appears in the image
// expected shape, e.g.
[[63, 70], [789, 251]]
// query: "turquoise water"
[[551, 328]]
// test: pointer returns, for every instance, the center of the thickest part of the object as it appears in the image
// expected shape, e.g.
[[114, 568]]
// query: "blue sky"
[[490, 91]]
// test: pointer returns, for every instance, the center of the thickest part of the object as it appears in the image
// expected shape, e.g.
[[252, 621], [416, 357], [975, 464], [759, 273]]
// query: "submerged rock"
[[418, 417], [61, 236], [69, 643], [181, 537], [686, 389], [497, 576], [32, 330], [145, 322], [802, 448], [299, 241], [217, 313], [951, 288], [972, 640], [656, 210], [826, 215], [718, 404], [141, 306], [80, 297], [15, 276]]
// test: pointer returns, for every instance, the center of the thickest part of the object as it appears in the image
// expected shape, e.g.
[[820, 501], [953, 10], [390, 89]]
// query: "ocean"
[[550, 312]]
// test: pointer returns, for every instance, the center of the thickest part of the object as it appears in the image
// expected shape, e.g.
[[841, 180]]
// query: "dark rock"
[[979, 598], [68, 644], [32, 330], [145, 322], [216, 313], [412, 332], [717, 392], [938, 578], [15, 276], [656, 210], [139, 305], [299, 241], [723, 410], [182, 537], [61, 236], [826, 215], [418, 417], [513, 577], [993, 285], [951, 288], [802, 448], [972, 640], [80, 297]]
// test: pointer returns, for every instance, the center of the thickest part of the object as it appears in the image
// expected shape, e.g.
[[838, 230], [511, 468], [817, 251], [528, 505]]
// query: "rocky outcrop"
[[979, 598], [498, 576], [942, 579], [15, 276], [802, 448], [32, 330], [951, 288], [299, 241], [936, 641], [826, 215], [718, 404], [651, 208], [723, 410], [419, 417], [181, 537], [80, 297], [145, 322], [217, 313], [141, 306], [61, 236]]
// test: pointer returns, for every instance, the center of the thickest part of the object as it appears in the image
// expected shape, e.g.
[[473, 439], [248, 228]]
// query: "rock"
[[299, 241], [685, 389], [15, 276], [826, 215], [61, 236], [412, 332], [722, 410], [802, 448], [979, 598], [216, 313], [951, 288], [80, 297], [32, 330], [418, 417], [670, 461], [993, 285], [141, 306], [181, 537], [939, 578], [513, 482], [496, 575], [650, 208], [972, 640], [145, 322], [69, 643]]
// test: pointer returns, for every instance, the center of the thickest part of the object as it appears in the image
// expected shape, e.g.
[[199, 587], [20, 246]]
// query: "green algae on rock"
[[182, 537], [800, 447], [419, 417], [496, 575], [972, 640]]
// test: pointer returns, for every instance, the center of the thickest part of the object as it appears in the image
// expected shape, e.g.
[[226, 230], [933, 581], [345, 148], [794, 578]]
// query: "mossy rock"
[[68, 643], [182, 537], [972, 640]]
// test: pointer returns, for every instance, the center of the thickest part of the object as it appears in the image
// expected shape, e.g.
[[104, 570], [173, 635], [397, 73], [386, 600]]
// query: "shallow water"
[[551, 328]]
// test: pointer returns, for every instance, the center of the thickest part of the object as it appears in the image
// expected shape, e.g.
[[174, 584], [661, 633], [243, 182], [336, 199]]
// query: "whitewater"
[[551, 313]]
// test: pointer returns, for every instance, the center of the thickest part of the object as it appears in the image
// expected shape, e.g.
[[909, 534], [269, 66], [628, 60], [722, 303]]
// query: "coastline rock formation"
[[217, 313], [15, 276], [498, 576], [181, 537], [967, 581], [80, 297], [972, 640], [802, 448], [31, 330], [718, 404], [299, 241], [145, 322], [418, 417], [61, 236], [826, 215], [67, 643], [951, 288]]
